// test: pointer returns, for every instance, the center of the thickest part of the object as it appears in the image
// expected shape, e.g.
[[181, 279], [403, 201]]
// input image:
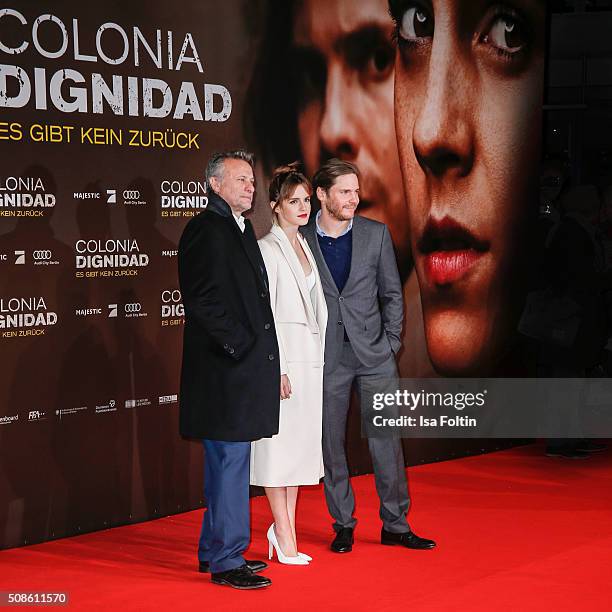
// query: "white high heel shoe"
[[282, 558]]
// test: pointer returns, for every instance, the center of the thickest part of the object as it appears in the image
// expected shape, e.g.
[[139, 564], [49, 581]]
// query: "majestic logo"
[[86, 195], [17, 192], [86, 312]]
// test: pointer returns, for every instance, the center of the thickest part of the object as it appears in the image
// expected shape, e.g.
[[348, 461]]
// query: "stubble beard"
[[336, 213]]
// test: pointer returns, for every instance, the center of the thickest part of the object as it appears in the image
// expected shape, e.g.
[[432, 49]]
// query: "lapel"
[[320, 306], [251, 248], [310, 232], [248, 242], [296, 267], [358, 250]]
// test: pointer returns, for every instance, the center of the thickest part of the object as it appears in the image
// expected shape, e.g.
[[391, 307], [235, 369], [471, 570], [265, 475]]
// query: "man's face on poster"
[[344, 75]]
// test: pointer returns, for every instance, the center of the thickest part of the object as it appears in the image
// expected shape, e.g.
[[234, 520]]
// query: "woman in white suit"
[[294, 456]]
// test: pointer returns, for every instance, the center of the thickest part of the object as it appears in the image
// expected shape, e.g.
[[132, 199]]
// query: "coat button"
[[230, 350], [263, 294], [267, 326], [226, 346], [339, 322], [271, 357], [341, 299]]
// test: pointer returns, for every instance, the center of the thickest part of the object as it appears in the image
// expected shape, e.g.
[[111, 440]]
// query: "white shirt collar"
[[240, 221], [322, 233]]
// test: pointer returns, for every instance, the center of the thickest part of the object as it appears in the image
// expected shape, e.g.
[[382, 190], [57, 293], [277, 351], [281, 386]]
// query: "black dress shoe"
[[241, 578], [254, 566], [409, 539], [343, 542]]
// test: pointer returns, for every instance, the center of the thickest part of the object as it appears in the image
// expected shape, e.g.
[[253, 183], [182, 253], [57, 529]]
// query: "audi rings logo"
[[131, 195], [133, 308], [42, 255], [171, 297]]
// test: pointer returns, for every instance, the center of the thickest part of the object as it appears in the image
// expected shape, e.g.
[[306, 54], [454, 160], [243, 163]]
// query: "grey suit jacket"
[[370, 306]]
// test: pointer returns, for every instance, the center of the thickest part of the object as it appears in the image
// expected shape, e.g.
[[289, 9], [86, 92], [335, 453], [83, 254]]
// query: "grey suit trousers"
[[387, 454]]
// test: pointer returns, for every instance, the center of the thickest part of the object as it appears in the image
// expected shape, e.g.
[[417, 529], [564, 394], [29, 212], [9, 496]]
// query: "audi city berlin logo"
[[131, 195]]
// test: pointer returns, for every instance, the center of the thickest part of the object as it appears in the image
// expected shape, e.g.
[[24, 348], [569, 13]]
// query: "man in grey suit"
[[364, 300]]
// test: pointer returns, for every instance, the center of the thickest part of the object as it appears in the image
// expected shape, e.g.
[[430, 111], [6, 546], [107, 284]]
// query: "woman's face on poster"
[[468, 105]]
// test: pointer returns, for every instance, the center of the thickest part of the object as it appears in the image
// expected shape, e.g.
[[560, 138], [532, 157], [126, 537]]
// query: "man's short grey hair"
[[215, 163]]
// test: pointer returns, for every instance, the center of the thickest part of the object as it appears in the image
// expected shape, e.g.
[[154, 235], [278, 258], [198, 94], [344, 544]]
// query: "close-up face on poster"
[[440, 106]]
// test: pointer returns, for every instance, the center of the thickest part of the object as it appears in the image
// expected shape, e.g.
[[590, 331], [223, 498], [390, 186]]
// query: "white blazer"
[[300, 320]]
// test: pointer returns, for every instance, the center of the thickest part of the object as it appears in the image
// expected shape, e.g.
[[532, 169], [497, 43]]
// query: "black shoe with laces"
[[241, 578], [408, 539]]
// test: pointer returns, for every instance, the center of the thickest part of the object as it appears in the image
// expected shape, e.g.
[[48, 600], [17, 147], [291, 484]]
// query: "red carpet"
[[515, 531]]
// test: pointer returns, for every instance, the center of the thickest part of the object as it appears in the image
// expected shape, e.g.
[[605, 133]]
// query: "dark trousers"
[[387, 454], [226, 526]]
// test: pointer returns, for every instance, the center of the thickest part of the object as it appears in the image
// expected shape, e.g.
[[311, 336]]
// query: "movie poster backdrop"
[[108, 113]]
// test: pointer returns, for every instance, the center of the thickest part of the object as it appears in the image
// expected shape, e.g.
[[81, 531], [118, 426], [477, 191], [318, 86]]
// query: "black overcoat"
[[230, 376]]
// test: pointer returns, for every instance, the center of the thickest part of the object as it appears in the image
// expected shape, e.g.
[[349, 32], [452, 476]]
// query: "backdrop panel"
[[108, 113]]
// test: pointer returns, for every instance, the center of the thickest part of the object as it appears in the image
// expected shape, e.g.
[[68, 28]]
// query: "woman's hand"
[[285, 387]]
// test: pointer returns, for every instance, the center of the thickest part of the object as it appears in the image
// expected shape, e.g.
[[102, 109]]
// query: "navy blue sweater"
[[337, 254]]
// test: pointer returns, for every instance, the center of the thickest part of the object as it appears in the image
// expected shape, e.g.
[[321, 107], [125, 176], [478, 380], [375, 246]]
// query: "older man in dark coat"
[[230, 379]]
